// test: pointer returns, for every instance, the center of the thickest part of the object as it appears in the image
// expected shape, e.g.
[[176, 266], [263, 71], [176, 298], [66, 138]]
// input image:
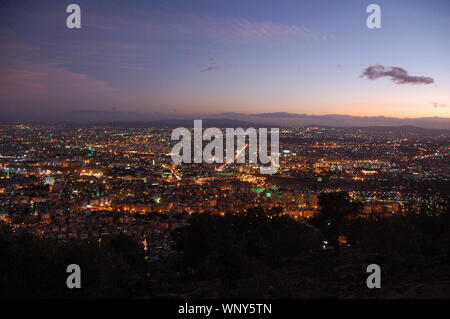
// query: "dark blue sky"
[[224, 56]]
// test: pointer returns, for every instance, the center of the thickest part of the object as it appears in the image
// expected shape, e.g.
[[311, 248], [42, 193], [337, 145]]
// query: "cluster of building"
[[91, 182]]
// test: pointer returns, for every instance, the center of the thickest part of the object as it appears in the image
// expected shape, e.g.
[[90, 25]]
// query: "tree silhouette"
[[335, 208]]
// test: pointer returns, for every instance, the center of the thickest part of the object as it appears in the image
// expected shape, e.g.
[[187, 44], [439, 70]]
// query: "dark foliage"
[[257, 254], [235, 245], [334, 210], [36, 268]]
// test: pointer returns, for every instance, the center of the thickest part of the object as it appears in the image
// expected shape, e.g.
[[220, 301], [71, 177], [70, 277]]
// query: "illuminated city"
[[349, 200]]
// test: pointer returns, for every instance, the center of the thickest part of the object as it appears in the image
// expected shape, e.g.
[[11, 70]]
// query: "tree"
[[233, 247], [34, 267], [395, 238], [335, 208], [276, 211]]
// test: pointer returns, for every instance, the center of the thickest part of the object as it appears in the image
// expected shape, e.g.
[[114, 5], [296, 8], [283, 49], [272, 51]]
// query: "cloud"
[[31, 80], [245, 29], [159, 24], [210, 68], [436, 104], [398, 75]]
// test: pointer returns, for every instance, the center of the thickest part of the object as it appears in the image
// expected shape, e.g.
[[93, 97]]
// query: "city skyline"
[[176, 58]]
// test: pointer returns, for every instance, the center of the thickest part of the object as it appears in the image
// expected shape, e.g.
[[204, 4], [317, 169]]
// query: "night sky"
[[205, 56]]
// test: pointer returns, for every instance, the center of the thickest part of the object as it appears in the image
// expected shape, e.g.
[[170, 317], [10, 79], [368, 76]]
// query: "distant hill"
[[403, 129], [229, 119], [284, 119]]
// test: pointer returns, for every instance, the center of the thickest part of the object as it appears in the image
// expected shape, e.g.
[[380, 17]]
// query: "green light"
[[257, 190]]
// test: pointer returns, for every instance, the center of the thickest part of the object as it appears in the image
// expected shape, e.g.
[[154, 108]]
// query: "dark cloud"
[[436, 104], [397, 75]]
